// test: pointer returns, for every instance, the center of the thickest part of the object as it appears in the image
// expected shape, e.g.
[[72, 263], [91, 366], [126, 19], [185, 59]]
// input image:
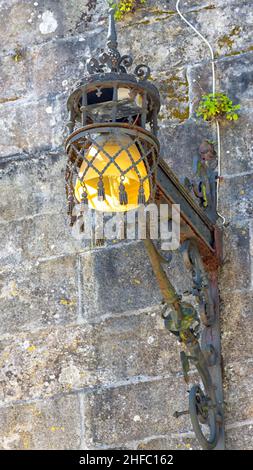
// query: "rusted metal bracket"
[[197, 328]]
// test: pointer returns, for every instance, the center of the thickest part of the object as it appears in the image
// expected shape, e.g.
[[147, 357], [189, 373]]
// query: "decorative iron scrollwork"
[[111, 59], [201, 285], [125, 62], [204, 410], [142, 71], [94, 66]]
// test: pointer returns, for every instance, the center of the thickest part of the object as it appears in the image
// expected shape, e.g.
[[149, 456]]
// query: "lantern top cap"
[[110, 59], [110, 69]]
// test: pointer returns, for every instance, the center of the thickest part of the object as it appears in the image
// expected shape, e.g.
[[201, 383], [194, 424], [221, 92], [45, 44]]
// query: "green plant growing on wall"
[[217, 106], [123, 7]]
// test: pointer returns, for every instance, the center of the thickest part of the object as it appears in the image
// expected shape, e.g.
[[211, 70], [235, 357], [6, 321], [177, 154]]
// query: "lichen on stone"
[[227, 40], [49, 23], [174, 90]]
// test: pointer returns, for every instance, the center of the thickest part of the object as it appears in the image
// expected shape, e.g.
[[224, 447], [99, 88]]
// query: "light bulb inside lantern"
[[112, 175]]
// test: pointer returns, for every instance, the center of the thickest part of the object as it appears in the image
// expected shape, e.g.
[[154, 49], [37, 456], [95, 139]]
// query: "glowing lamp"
[[119, 187], [112, 146]]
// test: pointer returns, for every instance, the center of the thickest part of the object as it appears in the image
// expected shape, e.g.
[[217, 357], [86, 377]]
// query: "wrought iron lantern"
[[113, 166], [112, 147]]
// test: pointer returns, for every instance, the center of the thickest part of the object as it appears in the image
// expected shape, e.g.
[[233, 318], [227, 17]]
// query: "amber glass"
[[112, 175]]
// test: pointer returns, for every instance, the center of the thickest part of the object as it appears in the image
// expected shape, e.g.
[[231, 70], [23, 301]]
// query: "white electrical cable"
[[214, 90]]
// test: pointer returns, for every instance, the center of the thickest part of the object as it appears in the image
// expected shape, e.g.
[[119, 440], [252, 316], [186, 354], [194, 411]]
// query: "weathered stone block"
[[58, 360], [238, 390], [31, 126], [239, 438], [227, 35], [36, 238], [180, 144], [235, 272], [237, 324], [34, 76], [49, 361], [135, 346], [52, 424], [33, 192], [237, 145], [42, 294], [120, 279], [184, 46], [32, 185], [27, 22], [123, 414], [15, 77], [67, 65], [236, 197]]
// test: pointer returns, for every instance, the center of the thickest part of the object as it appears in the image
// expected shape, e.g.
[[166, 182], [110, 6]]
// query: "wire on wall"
[[213, 91]]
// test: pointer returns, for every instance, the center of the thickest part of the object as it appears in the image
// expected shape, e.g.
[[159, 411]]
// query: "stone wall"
[[85, 360]]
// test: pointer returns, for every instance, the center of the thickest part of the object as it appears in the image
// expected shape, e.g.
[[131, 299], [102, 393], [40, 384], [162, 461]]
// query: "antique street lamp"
[[112, 147], [113, 166]]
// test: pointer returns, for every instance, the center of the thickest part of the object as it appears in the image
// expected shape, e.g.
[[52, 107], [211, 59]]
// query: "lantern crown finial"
[[111, 60], [112, 42]]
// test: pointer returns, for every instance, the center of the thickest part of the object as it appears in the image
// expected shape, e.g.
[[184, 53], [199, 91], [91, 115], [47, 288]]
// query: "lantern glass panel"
[[128, 94], [117, 162]]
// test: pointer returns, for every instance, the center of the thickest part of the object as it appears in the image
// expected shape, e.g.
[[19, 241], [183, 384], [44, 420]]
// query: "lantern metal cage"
[[112, 134]]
